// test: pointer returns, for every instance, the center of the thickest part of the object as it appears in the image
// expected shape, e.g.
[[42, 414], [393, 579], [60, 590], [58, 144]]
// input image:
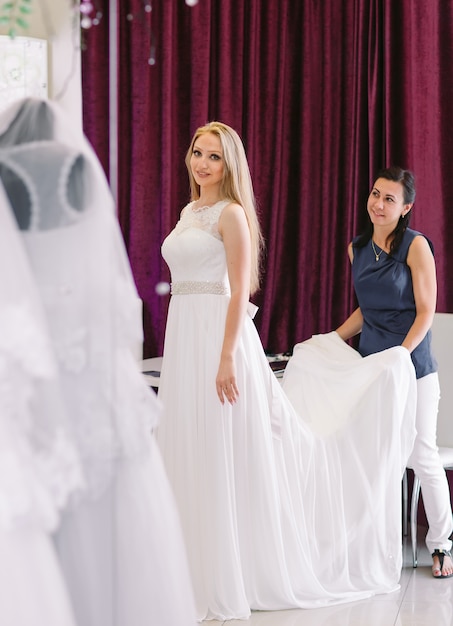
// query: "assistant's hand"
[[226, 381]]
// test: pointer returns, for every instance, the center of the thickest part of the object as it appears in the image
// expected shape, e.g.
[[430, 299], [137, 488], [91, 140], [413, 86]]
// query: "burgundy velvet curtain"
[[323, 93]]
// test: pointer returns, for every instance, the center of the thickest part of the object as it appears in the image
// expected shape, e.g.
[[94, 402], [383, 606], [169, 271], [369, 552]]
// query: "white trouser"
[[426, 463]]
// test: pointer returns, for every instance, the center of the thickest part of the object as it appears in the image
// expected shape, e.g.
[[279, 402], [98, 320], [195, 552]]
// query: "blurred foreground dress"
[[119, 541], [39, 468], [283, 504]]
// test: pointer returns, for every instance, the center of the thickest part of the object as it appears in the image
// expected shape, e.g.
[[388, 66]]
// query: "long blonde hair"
[[236, 186]]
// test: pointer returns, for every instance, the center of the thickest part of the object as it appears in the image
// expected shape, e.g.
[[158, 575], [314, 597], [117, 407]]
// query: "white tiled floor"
[[421, 601]]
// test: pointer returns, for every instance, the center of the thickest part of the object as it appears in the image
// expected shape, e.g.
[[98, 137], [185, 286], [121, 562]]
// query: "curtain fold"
[[322, 93]]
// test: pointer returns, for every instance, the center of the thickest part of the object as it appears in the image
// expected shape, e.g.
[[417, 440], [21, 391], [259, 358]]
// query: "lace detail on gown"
[[205, 218], [39, 466]]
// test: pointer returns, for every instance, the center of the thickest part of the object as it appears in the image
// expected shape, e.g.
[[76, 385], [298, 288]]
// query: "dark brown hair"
[[407, 180]]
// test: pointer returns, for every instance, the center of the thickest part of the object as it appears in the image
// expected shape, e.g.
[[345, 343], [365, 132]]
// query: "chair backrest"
[[442, 343]]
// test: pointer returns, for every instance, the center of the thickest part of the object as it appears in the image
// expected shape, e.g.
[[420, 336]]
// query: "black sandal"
[[441, 554]]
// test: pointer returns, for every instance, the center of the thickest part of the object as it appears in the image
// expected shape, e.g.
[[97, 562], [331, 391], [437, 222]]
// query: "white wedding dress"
[[283, 504], [39, 467], [119, 540]]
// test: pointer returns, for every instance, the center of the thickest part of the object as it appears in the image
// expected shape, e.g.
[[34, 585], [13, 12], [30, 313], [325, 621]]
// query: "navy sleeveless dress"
[[386, 298]]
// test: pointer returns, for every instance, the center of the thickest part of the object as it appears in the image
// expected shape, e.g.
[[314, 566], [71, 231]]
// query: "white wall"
[[442, 342]]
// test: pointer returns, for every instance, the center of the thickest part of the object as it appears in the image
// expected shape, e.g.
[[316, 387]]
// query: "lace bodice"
[[206, 218], [194, 250]]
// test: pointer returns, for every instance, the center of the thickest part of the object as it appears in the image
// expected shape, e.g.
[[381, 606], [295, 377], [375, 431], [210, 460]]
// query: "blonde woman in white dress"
[[280, 509]]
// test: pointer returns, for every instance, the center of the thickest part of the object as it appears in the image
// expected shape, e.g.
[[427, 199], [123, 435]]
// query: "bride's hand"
[[226, 381]]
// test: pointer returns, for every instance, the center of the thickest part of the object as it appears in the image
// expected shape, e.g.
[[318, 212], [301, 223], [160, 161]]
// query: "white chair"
[[442, 343]]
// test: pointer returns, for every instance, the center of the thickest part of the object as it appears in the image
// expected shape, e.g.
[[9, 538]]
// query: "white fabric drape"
[[290, 497]]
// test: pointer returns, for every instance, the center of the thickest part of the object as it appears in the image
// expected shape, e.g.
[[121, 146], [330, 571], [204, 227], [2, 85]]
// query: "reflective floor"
[[421, 601]]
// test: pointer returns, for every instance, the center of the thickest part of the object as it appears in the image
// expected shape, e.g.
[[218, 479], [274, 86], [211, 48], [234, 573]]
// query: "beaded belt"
[[186, 287]]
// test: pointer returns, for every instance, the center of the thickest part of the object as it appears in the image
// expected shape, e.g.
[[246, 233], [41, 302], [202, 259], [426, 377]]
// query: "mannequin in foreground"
[[119, 542], [39, 468]]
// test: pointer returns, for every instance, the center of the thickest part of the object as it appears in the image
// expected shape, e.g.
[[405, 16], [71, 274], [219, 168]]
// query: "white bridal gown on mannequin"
[[119, 542], [280, 508], [39, 468]]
